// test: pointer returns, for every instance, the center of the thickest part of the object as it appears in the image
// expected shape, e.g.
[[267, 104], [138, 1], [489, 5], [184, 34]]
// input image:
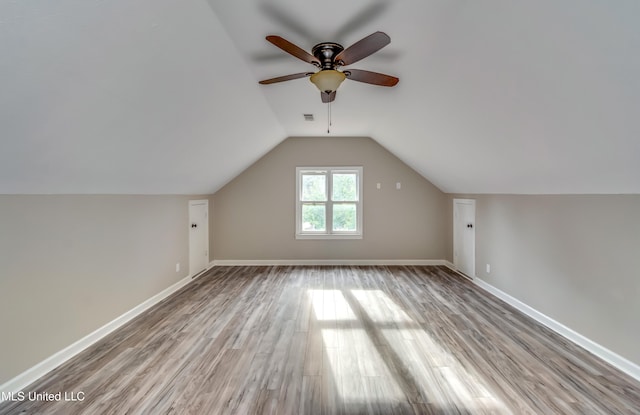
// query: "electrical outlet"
[[398, 185], [488, 268], [177, 267]]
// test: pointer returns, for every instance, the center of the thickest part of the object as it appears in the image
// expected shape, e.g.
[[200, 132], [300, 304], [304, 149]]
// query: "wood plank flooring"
[[333, 340]]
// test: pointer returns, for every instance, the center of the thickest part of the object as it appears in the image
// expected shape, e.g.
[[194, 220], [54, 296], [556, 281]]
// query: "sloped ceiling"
[[125, 96], [161, 96]]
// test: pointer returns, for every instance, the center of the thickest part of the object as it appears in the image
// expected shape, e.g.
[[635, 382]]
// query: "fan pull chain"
[[328, 117]]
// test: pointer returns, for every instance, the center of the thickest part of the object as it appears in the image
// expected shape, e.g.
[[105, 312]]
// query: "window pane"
[[345, 187], [344, 217], [314, 187], [313, 217]]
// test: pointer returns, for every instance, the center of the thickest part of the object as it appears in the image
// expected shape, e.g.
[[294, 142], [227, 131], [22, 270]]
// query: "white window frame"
[[329, 233]]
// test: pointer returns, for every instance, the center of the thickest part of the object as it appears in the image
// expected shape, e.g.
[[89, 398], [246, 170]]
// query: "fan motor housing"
[[326, 53]]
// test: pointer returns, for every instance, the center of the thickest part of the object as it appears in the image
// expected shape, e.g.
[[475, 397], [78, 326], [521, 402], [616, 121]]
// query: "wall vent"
[[308, 117]]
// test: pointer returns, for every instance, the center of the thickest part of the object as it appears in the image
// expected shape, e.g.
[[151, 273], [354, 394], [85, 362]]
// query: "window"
[[329, 202]]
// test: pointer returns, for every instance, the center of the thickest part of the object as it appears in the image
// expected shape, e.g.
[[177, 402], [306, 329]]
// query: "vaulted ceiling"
[[162, 96]]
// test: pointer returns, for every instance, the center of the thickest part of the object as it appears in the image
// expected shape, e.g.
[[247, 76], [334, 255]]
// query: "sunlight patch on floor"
[[360, 371], [378, 357], [439, 376], [356, 362], [330, 305]]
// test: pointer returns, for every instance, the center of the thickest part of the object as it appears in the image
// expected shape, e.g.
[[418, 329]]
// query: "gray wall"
[[574, 258], [254, 214], [70, 264]]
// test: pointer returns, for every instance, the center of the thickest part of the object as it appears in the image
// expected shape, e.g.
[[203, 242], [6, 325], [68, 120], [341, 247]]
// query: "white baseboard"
[[36, 372], [605, 354], [454, 269], [270, 262]]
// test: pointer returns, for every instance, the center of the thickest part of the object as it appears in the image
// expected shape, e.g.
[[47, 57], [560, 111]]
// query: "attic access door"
[[198, 236], [464, 236]]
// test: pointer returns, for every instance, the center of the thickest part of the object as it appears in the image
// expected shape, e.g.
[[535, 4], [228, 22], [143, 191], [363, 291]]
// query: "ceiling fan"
[[329, 57]]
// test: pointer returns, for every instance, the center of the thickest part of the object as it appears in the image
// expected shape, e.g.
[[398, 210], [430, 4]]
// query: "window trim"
[[329, 233]]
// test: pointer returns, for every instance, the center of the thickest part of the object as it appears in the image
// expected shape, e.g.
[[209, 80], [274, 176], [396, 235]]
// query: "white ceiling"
[[161, 96]]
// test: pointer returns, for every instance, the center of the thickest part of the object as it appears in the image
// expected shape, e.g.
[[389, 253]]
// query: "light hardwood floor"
[[344, 340]]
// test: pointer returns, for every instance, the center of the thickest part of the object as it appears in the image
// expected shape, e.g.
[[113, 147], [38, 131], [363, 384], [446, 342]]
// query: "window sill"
[[328, 236]]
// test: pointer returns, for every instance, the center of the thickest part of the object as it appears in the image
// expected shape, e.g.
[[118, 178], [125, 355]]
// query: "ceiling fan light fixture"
[[328, 56], [327, 80]]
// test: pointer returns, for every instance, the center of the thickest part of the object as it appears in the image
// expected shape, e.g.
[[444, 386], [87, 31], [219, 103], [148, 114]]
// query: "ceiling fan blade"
[[362, 18], [286, 78], [363, 48], [294, 50], [287, 20], [369, 77], [328, 97]]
